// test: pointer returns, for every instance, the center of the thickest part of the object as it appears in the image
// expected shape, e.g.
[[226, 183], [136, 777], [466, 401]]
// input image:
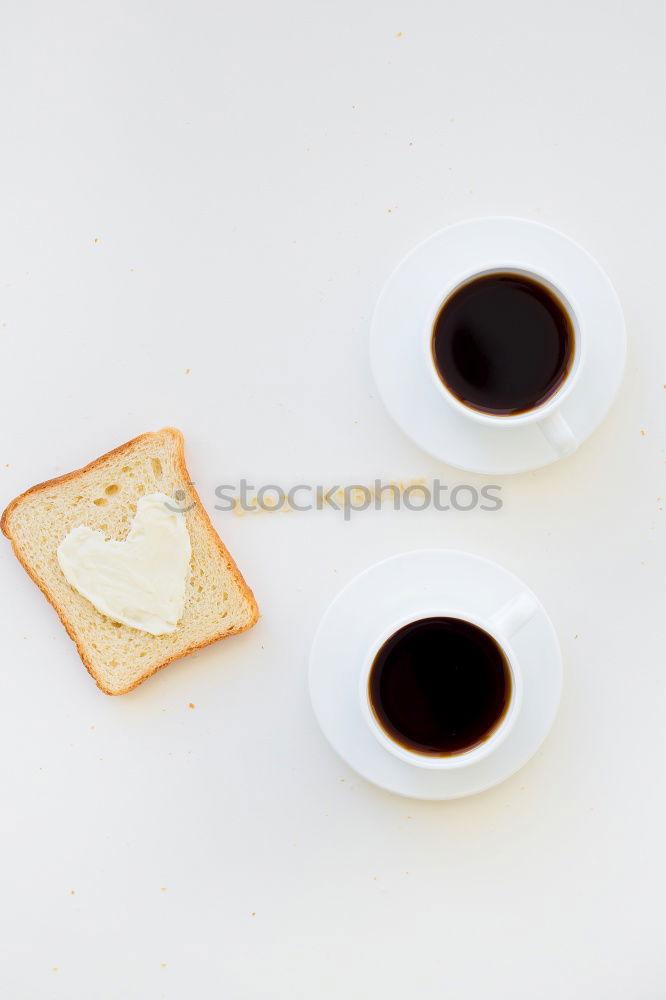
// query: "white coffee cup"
[[548, 416], [500, 626]]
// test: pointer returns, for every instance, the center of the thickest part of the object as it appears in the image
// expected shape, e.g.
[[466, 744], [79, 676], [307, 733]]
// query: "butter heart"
[[140, 581]]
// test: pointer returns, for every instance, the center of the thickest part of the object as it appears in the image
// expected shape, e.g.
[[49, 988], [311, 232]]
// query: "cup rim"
[[553, 402], [466, 757]]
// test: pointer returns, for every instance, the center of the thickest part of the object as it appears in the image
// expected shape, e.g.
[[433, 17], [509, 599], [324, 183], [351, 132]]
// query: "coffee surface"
[[503, 344], [440, 686]]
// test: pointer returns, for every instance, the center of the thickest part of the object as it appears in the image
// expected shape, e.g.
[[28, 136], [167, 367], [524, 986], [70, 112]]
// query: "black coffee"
[[503, 344], [440, 686]]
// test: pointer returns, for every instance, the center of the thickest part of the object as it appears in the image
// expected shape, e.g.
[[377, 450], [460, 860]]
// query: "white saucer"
[[400, 586], [413, 290]]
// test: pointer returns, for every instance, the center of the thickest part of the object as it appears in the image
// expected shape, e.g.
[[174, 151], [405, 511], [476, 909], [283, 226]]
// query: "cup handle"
[[514, 614], [558, 434]]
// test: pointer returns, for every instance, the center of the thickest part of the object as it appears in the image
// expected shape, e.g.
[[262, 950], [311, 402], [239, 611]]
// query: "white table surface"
[[223, 188]]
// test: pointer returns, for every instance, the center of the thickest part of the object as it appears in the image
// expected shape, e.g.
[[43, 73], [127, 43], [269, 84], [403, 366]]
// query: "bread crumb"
[[389, 210], [399, 35], [187, 371], [96, 239], [191, 705], [254, 913], [642, 433]]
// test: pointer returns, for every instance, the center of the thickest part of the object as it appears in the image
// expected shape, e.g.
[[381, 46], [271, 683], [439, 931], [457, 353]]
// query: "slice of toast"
[[103, 496]]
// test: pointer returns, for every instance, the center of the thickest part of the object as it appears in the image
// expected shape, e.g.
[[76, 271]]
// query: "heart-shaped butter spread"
[[140, 581]]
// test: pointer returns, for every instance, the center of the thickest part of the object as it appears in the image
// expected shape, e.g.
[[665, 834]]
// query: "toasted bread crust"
[[5, 526]]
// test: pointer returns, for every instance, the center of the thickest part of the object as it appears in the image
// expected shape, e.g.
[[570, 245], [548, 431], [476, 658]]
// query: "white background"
[[252, 172]]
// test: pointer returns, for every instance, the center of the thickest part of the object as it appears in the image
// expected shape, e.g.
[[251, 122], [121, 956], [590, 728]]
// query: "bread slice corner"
[[103, 495]]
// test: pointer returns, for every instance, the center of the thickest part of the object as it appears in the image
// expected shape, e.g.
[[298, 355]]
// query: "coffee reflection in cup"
[[503, 343], [440, 686]]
